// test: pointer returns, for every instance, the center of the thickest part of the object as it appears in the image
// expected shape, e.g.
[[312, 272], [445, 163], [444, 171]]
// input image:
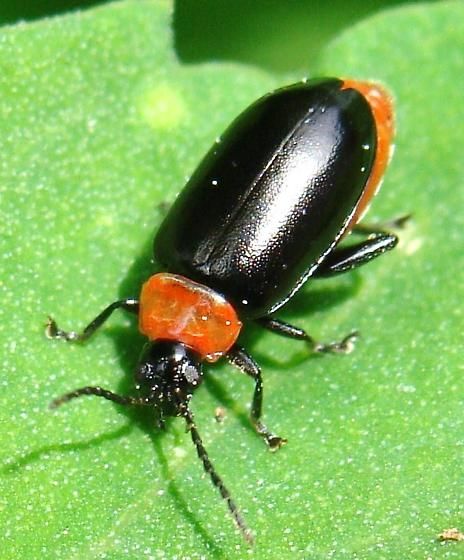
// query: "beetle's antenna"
[[215, 478], [99, 392]]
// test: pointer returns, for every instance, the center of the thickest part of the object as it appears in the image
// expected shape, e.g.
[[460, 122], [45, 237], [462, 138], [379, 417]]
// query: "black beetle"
[[265, 210]]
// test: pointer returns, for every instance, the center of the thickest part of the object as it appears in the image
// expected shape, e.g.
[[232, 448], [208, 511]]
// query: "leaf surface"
[[100, 126]]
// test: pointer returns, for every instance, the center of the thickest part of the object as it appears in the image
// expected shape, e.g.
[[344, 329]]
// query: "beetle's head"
[[167, 374]]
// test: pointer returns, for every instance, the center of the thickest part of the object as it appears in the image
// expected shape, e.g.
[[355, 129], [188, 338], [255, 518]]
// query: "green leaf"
[[271, 35], [100, 125]]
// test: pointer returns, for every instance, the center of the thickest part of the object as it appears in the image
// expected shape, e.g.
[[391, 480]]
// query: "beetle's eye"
[[145, 371], [191, 374], [166, 363]]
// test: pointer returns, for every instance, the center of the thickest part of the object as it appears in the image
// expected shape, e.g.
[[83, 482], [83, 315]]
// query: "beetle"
[[265, 211]]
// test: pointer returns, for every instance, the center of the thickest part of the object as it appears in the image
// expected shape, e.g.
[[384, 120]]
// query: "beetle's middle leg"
[[344, 346], [340, 260]]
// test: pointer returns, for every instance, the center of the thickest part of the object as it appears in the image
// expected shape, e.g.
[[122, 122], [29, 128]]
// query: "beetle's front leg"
[[241, 359], [53, 331], [344, 346]]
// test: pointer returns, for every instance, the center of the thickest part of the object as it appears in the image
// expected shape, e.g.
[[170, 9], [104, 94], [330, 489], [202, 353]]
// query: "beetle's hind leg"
[[339, 260], [241, 359], [343, 346], [398, 223], [53, 331], [348, 257]]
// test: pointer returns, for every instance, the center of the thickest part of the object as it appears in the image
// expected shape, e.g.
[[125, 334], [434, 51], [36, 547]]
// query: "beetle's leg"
[[53, 331], [344, 346], [100, 392], [349, 257], [215, 478], [241, 359], [379, 241], [382, 227]]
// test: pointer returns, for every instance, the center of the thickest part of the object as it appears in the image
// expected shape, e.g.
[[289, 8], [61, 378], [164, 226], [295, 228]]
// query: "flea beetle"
[[264, 211]]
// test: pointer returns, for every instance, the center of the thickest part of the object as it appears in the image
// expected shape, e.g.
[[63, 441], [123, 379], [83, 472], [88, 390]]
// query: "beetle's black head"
[[167, 374]]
